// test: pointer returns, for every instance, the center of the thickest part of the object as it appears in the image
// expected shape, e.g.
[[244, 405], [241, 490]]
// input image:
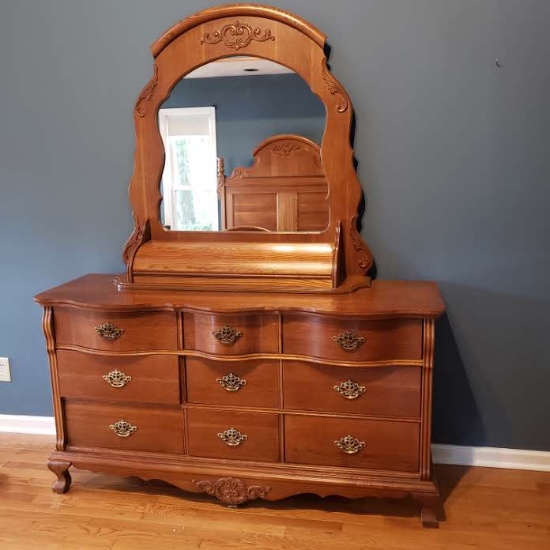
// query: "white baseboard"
[[36, 425], [492, 457], [489, 457]]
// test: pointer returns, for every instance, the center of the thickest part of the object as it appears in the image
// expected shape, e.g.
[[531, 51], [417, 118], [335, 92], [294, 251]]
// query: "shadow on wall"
[[491, 368], [456, 416]]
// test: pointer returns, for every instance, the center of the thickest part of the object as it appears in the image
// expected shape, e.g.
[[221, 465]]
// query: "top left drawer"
[[105, 330]]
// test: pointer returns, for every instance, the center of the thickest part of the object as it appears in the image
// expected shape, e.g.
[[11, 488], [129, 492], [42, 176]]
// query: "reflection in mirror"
[[214, 122]]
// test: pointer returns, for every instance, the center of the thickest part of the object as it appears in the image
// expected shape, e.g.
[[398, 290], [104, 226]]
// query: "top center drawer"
[[224, 334]]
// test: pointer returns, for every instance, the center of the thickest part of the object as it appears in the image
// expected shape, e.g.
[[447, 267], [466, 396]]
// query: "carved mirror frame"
[[213, 34]]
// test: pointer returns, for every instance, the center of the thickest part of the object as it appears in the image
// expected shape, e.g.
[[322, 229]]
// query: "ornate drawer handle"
[[231, 382], [117, 379], [350, 445], [108, 331], [348, 340], [350, 389], [123, 428], [227, 334], [232, 437]]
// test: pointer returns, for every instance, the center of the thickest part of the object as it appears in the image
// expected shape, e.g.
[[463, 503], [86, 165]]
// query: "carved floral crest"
[[286, 148], [237, 35]]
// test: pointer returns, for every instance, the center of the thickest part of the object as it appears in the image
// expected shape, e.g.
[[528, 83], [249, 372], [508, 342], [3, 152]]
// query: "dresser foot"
[[61, 469], [428, 516], [431, 508]]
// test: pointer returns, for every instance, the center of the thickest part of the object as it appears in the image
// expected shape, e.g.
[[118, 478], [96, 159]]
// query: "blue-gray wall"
[[453, 153], [249, 109]]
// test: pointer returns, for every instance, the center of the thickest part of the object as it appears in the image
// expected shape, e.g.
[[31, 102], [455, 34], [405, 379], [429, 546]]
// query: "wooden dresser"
[[257, 377]]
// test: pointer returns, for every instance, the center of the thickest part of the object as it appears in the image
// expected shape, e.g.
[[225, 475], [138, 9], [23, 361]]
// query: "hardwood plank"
[[485, 509]]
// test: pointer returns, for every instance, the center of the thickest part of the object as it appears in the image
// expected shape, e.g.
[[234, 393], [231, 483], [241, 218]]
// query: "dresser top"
[[382, 300]]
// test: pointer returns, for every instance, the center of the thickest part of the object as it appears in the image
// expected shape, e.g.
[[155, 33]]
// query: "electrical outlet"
[[5, 369]]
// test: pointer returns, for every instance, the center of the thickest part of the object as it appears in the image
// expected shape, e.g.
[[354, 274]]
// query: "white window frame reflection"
[[202, 171]]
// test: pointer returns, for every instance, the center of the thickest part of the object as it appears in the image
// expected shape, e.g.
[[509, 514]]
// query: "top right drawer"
[[331, 338]]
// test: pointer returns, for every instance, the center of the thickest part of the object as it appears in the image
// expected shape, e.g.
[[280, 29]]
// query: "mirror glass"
[[212, 123]]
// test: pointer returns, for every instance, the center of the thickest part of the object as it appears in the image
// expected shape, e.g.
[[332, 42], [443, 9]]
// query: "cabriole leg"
[[61, 469]]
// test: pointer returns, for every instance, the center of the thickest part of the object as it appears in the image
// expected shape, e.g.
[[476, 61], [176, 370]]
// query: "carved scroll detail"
[[343, 103], [147, 93], [286, 148], [231, 490], [237, 35], [332, 87], [364, 257], [139, 235]]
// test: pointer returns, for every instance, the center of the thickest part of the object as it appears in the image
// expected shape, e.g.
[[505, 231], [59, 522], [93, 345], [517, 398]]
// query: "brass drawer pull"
[[350, 445], [227, 335], [117, 379], [108, 331], [232, 437], [348, 340], [231, 382], [350, 389], [123, 428]]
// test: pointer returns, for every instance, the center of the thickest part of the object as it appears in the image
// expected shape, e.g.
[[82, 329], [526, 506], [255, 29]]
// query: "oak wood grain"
[[141, 331], [260, 429], [384, 299], [260, 388], [154, 378], [388, 445], [253, 333], [158, 429], [389, 391], [381, 340]]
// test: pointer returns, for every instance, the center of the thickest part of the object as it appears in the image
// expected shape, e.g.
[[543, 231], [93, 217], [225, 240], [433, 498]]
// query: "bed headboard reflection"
[[285, 189]]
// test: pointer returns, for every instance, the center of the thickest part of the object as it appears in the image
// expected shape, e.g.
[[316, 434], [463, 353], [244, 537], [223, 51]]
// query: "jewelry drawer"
[[351, 339], [374, 391], [124, 428], [353, 443], [233, 434], [104, 330], [236, 383], [231, 334], [141, 379]]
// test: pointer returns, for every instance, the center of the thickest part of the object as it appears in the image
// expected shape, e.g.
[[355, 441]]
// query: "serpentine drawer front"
[[231, 334], [105, 330], [139, 379], [325, 337], [374, 391], [125, 428], [354, 443], [252, 383], [232, 434]]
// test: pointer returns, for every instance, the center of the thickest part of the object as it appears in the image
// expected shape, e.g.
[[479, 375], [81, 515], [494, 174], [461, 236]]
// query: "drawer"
[[236, 435], [146, 379], [231, 334], [236, 383], [103, 330], [351, 339], [375, 391], [375, 444], [96, 425]]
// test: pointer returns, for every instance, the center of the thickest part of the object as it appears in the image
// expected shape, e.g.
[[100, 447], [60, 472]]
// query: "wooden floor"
[[485, 509]]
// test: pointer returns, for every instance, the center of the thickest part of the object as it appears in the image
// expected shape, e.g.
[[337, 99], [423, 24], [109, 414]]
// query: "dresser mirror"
[[278, 210], [211, 125], [257, 360]]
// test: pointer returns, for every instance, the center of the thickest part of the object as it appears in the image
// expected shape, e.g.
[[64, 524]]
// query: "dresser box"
[[246, 395]]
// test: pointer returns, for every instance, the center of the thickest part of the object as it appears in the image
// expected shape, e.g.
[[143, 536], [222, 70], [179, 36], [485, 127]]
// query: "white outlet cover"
[[5, 370]]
